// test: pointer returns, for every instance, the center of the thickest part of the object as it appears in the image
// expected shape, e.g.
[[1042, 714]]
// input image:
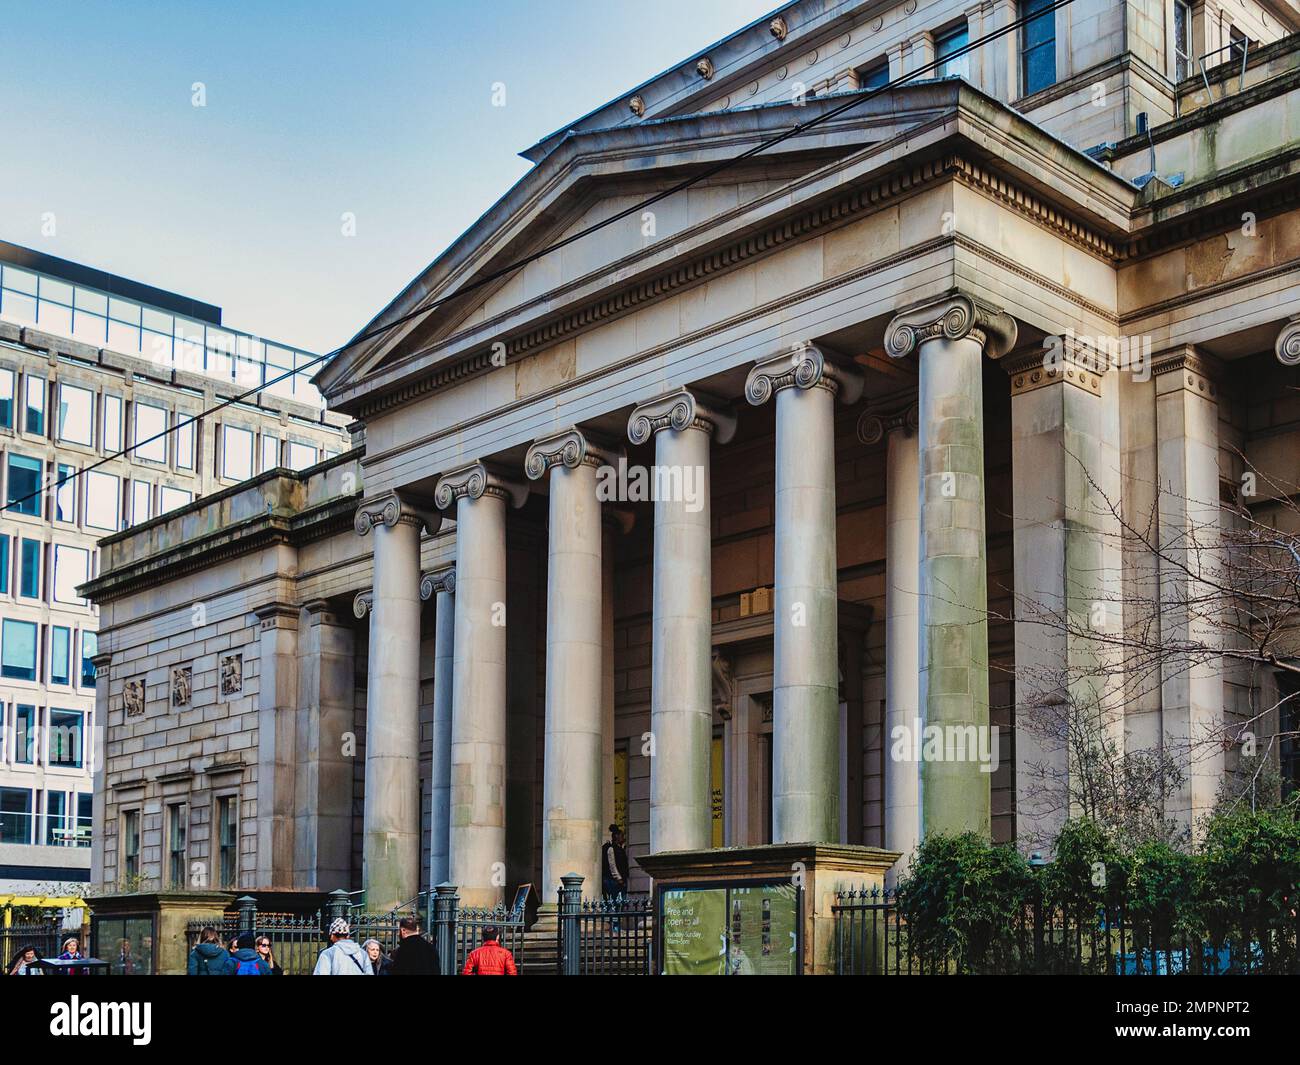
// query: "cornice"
[[228, 542], [806, 366]]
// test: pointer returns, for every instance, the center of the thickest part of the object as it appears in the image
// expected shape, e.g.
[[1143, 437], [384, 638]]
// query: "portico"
[[802, 516]]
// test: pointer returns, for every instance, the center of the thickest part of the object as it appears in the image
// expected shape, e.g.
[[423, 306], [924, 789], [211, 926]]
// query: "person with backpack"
[[209, 958], [491, 959], [414, 955], [247, 961], [343, 957]]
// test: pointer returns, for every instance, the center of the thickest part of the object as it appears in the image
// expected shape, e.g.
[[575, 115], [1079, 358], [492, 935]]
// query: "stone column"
[[277, 743], [391, 844], [326, 719], [805, 672], [1191, 687], [950, 336], [681, 704], [477, 860], [572, 788], [1066, 476], [441, 587], [897, 424]]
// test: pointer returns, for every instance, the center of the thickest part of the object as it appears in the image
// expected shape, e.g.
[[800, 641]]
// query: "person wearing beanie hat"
[[343, 957], [247, 961]]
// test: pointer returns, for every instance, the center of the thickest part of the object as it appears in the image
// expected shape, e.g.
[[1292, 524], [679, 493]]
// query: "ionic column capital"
[[362, 604], [680, 410], [955, 316], [876, 421], [392, 509], [804, 366], [438, 581], [1288, 343], [475, 481], [570, 448]]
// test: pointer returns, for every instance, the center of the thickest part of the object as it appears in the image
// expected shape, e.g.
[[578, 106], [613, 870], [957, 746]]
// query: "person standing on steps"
[[613, 864]]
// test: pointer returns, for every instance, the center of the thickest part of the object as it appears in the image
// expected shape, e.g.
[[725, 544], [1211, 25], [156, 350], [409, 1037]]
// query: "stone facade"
[[847, 383], [67, 406]]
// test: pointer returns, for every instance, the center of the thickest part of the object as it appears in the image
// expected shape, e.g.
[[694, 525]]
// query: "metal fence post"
[[570, 923], [444, 927], [337, 905], [247, 913]]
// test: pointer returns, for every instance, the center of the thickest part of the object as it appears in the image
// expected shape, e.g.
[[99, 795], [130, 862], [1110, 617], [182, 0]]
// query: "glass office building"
[[68, 401]]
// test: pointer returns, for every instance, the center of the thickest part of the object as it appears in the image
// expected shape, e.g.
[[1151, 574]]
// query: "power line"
[[505, 271]]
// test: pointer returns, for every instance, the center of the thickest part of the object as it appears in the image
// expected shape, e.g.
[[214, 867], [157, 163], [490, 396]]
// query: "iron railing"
[[609, 936], [46, 936], [1111, 939]]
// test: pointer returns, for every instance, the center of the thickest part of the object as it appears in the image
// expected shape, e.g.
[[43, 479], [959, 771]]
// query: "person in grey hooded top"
[[343, 957]]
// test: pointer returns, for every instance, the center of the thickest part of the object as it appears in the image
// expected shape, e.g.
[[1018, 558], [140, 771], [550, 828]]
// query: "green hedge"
[[979, 907]]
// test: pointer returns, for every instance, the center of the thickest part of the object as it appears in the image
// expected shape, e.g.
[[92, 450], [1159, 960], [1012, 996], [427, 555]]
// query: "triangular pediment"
[[590, 180]]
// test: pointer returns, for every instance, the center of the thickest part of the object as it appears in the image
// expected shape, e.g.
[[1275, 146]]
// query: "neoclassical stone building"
[[687, 523]]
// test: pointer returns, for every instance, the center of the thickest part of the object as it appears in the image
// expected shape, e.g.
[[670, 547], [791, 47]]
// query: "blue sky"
[[314, 109]]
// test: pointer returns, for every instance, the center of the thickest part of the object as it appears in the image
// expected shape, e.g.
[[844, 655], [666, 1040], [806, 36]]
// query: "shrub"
[[964, 899]]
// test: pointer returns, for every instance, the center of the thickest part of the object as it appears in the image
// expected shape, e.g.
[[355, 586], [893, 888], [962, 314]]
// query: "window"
[[18, 649], [7, 398], [56, 818], [29, 569], [172, 498], [66, 735], [102, 504], [25, 485], [875, 76], [65, 494], [228, 839], [947, 43], [141, 501], [35, 405], [76, 415], [236, 453], [270, 452], [176, 831], [85, 814], [301, 455], [71, 570], [60, 654], [184, 435], [24, 734], [112, 423], [130, 845], [1240, 44], [89, 648], [4, 565], [15, 815], [1182, 40], [150, 433], [1037, 46]]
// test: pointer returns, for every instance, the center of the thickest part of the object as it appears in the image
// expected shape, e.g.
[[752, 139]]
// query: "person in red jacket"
[[491, 959]]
